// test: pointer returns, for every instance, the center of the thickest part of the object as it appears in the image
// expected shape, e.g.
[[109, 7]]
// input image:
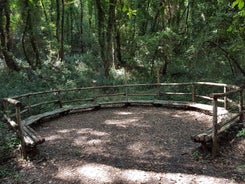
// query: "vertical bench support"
[[225, 98], [193, 92], [60, 99], [29, 105], [241, 105], [215, 146], [18, 121], [4, 106], [126, 83]]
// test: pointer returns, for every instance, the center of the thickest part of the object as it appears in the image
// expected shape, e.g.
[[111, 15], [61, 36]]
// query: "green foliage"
[[189, 40], [239, 4], [238, 25], [196, 155], [126, 8], [241, 133], [6, 172]]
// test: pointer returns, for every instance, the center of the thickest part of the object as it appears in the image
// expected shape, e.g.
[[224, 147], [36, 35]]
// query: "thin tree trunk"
[[71, 25], [24, 47], [5, 36], [57, 34], [44, 11], [229, 57], [61, 49], [7, 27], [81, 25], [32, 39], [109, 35], [101, 35], [118, 49], [153, 27]]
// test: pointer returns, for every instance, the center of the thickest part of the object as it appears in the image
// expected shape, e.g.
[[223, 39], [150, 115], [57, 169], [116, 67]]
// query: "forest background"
[[64, 44]]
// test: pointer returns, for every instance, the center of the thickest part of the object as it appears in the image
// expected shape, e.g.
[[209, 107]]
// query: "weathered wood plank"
[[15, 102], [28, 141], [112, 103], [173, 93], [207, 136], [45, 103], [110, 95], [12, 123], [37, 139], [84, 106], [32, 119], [78, 100], [219, 95]]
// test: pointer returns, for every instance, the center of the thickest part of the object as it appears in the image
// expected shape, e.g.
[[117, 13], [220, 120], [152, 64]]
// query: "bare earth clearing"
[[129, 145]]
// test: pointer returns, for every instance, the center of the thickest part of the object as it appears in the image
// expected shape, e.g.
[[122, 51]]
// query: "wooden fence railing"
[[230, 97]]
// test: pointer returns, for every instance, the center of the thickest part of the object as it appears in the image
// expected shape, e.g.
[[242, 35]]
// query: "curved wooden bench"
[[32, 137], [127, 92]]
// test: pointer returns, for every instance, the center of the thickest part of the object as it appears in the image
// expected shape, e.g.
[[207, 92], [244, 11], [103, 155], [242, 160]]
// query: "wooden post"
[[94, 91], [241, 105], [29, 105], [59, 98], [126, 83], [158, 83], [158, 75], [158, 91], [225, 98], [193, 92], [215, 146], [18, 121], [4, 106]]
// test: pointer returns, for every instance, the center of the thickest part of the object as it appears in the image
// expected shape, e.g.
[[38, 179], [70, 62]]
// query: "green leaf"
[[235, 3], [230, 29], [241, 5], [124, 9], [131, 12]]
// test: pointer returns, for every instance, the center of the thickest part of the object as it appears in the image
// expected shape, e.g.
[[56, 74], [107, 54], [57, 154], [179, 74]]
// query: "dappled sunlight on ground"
[[53, 137], [124, 113], [128, 145], [94, 173], [124, 123]]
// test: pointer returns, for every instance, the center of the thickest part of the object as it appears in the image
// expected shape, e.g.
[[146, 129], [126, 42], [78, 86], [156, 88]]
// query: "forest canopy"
[[77, 42]]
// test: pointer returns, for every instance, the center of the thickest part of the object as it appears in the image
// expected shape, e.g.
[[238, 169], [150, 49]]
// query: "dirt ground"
[[130, 145]]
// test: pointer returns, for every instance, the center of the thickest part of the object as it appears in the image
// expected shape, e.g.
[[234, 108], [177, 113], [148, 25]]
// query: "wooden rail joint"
[[219, 95], [15, 102]]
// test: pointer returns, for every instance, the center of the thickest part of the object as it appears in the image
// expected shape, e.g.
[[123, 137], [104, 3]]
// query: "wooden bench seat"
[[32, 119], [223, 126], [31, 137]]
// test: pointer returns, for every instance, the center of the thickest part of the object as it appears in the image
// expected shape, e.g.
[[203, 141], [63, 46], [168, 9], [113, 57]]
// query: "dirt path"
[[127, 145]]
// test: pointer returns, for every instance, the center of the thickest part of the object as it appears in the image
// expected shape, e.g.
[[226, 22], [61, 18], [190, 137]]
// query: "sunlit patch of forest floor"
[[129, 145]]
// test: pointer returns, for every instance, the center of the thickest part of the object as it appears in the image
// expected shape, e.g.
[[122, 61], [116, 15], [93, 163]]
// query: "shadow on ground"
[[126, 145]]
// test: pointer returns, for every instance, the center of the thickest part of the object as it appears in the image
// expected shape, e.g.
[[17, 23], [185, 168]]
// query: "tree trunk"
[[153, 27], [81, 26], [101, 35], [230, 58], [5, 36], [27, 12], [61, 51], [118, 50], [109, 35], [57, 33]]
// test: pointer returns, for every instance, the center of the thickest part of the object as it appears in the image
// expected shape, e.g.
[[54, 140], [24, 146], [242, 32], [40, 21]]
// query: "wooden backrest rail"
[[127, 92]]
